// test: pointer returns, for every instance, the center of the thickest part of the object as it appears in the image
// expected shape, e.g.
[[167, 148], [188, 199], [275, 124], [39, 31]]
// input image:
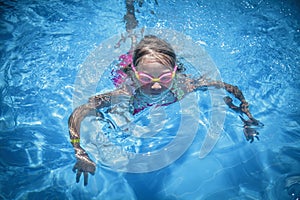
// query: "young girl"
[[149, 75]]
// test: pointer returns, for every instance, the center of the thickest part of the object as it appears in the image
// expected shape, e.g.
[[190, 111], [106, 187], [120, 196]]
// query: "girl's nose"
[[156, 86]]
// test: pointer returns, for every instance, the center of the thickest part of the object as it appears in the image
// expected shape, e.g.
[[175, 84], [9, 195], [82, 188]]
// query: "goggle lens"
[[146, 78]]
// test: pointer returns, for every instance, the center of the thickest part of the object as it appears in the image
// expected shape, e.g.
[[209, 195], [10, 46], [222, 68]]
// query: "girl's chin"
[[146, 89], [154, 92]]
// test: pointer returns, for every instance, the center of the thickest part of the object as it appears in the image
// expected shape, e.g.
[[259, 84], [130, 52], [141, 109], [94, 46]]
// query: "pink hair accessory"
[[119, 75], [126, 59]]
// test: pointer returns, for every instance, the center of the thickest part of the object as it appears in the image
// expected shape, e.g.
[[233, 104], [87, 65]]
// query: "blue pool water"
[[255, 44]]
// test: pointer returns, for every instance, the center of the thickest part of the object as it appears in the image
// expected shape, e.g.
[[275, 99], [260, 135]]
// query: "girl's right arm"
[[84, 164]]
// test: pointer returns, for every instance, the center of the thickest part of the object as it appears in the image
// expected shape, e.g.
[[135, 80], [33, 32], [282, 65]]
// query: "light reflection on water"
[[255, 45]]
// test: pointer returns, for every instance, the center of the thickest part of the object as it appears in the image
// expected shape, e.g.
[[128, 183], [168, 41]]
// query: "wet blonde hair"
[[154, 49], [150, 48]]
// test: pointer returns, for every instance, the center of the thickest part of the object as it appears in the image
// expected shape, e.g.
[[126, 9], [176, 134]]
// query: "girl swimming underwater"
[[149, 76]]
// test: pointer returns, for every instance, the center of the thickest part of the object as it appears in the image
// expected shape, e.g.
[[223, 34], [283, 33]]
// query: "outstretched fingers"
[[84, 165], [250, 134], [78, 174], [85, 174]]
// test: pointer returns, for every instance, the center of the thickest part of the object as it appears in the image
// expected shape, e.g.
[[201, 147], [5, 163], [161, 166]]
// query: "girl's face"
[[154, 77]]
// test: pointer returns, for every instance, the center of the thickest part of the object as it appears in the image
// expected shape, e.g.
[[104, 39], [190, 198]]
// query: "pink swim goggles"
[[146, 78]]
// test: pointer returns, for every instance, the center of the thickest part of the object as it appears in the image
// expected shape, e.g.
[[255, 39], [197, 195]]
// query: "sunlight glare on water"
[[255, 45]]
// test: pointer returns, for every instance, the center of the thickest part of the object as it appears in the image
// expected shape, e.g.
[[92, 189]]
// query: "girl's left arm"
[[249, 132]]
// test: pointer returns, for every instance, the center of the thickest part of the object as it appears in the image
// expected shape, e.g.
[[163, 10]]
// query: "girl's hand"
[[83, 165], [250, 132]]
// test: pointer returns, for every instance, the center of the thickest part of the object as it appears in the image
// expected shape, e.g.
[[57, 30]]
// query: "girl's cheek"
[[167, 85]]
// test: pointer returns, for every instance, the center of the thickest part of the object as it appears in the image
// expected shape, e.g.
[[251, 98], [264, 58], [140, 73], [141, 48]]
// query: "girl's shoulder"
[[183, 84]]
